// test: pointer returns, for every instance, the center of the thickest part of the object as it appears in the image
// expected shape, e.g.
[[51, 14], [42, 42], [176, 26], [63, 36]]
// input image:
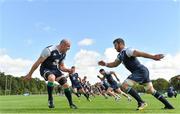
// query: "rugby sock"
[[86, 95], [50, 86], [135, 95], [77, 94], [162, 99], [68, 95]]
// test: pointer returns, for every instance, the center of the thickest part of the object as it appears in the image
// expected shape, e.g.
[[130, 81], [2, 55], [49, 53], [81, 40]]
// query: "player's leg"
[[112, 93], [102, 91], [118, 90], [75, 91], [109, 91], [50, 77], [50, 87], [175, 94], [150, 89], [86, 91], [104, 94], [92, 93], [63, 81], [127, 86], [81, 90]]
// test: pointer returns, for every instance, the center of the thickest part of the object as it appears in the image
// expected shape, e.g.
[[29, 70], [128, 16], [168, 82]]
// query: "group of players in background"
[[103, 87], [51, 62], [107, 86]]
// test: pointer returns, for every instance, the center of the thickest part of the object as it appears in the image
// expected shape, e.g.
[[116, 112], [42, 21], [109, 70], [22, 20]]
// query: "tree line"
[[162, 85], [10, 85]]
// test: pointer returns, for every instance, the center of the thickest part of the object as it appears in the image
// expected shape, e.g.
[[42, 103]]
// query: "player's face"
[[103, 72], [65, 47], [73, 70], [118, 46]]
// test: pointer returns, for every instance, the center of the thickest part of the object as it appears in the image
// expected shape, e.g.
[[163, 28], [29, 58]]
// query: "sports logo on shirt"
[[56, 62]]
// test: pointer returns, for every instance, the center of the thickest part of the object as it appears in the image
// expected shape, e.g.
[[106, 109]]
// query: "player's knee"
[[124, 86], [150, 90], [127, 84], [108, 90], [119, 91], [51, 78], [65, 85], [63, 82], [82, 91], [75, 91]]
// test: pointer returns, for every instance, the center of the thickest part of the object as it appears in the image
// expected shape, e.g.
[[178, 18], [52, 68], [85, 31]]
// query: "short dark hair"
[[119, 40], [101, 70], [73, 67]]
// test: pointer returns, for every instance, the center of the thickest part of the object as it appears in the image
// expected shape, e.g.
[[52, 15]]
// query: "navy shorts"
[[106, 86], [78, 86], [114, 85], [141, 76], [102, 87], [46, 72], [170, 94]]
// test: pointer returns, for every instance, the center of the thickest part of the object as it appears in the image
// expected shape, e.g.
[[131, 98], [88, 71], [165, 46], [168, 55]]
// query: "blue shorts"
[[170, 94], [114, 85], [78, 86], [46, 72], [106, 86], [141, 76]]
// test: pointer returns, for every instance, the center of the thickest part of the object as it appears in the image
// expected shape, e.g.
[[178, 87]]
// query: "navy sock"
[[162, 99], [77, 94], [135, 95], [86, 95]]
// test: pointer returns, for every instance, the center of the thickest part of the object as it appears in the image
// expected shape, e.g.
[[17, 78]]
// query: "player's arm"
[[100, 77], [111, 64], [147, 55], [44, 55], [34, 67], [64, 69], [79, 79], [99, 88], [111, 72]]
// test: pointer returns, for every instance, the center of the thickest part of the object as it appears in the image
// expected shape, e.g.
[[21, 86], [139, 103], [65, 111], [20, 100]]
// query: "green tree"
[[160, 84], [175, 82]]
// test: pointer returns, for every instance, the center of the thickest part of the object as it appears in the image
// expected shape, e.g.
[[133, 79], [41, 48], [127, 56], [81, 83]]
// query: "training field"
[[38, 104]]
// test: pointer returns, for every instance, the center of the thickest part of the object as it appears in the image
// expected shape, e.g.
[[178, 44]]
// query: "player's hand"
[[158, 57], [27, 77], [101, 63]]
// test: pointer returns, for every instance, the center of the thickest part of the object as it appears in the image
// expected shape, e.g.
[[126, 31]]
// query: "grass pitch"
[[38, 104]]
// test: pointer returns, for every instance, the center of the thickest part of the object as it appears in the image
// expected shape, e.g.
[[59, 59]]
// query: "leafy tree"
[[175, 82], [160, 84]]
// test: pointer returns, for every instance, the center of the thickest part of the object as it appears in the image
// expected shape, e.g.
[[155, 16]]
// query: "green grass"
[[38, 104]]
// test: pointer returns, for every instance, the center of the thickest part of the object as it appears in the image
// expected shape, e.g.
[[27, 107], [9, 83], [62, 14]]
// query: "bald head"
[[65, 41], [64, 45]]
